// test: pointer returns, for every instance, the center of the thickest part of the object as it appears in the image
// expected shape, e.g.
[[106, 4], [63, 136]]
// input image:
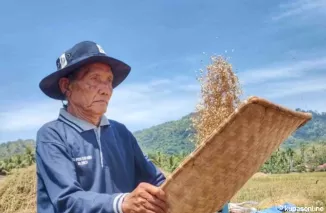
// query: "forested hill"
[[313, 130], [170, 137], [174, 136]]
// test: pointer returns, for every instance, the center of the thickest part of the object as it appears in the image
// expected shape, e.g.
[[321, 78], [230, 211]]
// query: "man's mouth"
[[101, 101]]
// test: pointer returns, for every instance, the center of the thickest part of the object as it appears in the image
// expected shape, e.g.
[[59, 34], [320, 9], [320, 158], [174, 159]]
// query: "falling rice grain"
[[220, 96]]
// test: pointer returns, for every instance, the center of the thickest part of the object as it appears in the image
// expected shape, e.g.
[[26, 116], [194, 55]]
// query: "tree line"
[[17, 161], [308, 157]]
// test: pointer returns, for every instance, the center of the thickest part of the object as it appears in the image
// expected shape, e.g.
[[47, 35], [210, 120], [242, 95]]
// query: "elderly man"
[[85, 162]]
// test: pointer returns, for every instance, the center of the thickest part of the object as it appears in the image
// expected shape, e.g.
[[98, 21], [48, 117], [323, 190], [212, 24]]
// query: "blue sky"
[[277, 49]]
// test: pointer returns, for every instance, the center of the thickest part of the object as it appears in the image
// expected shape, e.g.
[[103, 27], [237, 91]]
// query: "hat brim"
[[50, 84]]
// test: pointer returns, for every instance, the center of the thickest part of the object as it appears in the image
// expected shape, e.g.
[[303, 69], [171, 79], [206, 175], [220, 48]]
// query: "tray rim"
[[242, 107]]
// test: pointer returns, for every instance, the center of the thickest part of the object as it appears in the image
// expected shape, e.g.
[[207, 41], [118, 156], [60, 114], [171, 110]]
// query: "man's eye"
[[109, 80]]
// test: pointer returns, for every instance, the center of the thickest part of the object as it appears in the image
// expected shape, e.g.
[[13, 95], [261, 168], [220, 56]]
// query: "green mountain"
[[313, 131], [170, 137], [174, 137]]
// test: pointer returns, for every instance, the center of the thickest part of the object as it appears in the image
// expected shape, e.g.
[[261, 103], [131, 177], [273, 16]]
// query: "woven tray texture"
[[216, 170]]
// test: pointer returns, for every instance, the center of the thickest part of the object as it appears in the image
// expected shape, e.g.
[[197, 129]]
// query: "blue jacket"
[[85, 169]]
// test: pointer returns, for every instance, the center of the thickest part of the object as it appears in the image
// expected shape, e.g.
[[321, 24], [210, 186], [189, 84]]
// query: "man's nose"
[[105, 89]]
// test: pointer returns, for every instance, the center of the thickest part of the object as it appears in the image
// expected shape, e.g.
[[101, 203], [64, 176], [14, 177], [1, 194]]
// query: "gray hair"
[[73, 77]]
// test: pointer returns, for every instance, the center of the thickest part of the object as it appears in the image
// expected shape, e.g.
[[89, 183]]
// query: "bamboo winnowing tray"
[[211, 175]]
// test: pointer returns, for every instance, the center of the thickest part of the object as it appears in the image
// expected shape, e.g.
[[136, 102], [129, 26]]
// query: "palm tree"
[[17, 161], [313, 149], [157, 159], [8, 164], [174, 162], [29, 157], [283, 162], [3, 170], [290, 154], [303, 149], [153, 158]]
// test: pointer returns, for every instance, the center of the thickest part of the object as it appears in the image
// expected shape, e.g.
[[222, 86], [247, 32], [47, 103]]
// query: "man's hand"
[[146, 198]]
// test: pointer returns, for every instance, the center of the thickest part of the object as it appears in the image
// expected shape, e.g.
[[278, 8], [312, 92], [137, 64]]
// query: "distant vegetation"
[[305, 158], [14, 147], [175, 137], [315, 130], [17, 161], [169, 143]]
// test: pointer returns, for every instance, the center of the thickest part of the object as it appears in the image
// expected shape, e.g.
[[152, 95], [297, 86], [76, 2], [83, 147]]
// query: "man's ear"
[[64, 86]]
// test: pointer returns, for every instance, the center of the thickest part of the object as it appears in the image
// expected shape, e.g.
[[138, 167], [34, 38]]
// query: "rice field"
[[1, 178], [301, 189], [17, 192]]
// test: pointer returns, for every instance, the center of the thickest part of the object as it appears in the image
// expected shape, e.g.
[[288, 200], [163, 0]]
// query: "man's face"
[[92, 89]]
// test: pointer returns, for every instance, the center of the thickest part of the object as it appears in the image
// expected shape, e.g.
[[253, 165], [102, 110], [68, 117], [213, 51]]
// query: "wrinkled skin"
[[146, 198], [88, 95]]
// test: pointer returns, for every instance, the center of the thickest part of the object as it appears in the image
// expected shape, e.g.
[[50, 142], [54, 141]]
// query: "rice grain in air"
[[220, 96]]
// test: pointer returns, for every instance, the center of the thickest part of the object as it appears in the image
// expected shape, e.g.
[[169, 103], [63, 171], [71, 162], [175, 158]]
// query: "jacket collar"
[[79, 124]]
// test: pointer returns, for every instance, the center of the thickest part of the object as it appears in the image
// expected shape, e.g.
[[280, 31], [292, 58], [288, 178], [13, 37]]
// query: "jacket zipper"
[[97, 133]]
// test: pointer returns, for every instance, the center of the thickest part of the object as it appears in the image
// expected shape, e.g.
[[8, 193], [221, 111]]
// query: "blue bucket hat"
[[81, 54]]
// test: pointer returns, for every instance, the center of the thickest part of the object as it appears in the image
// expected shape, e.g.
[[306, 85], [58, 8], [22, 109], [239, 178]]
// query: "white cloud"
[[138, 105], [290, 84], [300, 8], [28, 115], [188, 61], [143, 104], [160, 82], [291, 88], [287, 71], [152, 112], [190, 87]]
